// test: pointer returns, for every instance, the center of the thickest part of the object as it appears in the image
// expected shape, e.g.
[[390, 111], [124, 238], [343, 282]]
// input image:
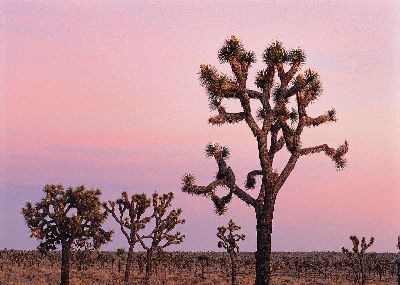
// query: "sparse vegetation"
[[326, 268]]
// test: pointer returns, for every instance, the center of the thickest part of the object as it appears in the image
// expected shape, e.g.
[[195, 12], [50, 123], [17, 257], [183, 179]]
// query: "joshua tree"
[[228, 240], [119, 253], [278, 126], [357, 258], [204, 261], [129, 215], [84, 256], [164, 223], [67, 217]]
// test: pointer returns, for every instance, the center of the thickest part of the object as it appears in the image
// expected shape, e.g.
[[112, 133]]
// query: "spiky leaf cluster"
[[275, 53], [313, 83], [233, 50], [215, 83], [216, 150]]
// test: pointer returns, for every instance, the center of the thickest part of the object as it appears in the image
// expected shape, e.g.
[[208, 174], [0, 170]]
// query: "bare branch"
[[225, 178], [330, 116], [224, 117], [337, 155], [285, 172]]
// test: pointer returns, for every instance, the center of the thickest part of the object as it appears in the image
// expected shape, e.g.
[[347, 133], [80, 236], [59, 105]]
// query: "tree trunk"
[[65, 255], [129, 262], [398, 271], [263, 254], [233, 268], [149, 255]]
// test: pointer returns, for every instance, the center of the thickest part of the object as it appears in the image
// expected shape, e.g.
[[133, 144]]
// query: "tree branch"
[[244, 100], [251, 180], [337, 155], [224, 117], [328, 117], [285, 172], [225, 178]]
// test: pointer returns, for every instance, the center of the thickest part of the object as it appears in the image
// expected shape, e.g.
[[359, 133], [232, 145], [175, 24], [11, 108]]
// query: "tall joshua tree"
[[164, 223], [228, 240], [67, 217], [277, 127], [129, 214]]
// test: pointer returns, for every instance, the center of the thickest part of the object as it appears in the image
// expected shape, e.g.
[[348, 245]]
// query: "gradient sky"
[[107, 95]]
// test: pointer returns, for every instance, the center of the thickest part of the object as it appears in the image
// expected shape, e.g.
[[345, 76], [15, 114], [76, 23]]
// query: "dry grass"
[[41, 273]]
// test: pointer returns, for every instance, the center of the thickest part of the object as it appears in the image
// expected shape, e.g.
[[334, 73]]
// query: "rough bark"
[[149, 267], [233, 268], [129, 262], [398, 271], [263, 254], [65, 262]]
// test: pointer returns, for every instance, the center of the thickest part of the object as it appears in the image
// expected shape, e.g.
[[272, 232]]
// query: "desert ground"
[[182, 268]]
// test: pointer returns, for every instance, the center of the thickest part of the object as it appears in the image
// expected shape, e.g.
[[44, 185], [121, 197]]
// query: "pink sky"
[[107, 95]]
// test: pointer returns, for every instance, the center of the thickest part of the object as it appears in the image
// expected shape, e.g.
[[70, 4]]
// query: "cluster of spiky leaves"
[[215, 150], [72, 215], [283, 127], [229, 238], [275, 53], [358, 248], [233, 50]]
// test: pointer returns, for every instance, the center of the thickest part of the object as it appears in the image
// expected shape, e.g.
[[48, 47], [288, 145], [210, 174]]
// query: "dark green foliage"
[[214, 149], [67, 215], [313, 83], [233, 50], [296, 56], [275, 53]]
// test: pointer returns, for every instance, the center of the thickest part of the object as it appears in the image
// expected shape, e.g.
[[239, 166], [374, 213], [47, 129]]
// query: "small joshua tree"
[[204, 261], [67, 217], [164, 223], [129, 214], [228, 240], [119, 253], [279, 125], [357, 258]]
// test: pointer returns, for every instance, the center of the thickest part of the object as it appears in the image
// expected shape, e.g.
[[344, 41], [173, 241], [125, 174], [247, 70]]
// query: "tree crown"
[[276, 125], [72, 215]]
